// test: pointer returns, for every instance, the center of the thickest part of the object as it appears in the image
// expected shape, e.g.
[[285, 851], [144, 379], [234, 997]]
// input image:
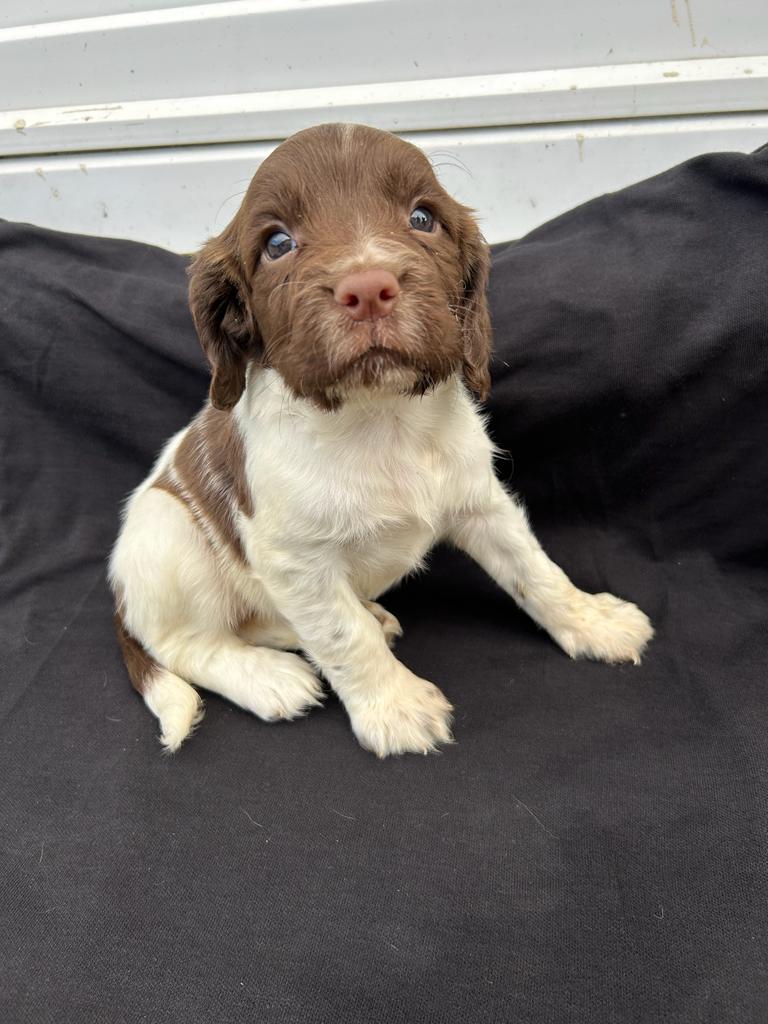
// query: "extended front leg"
[[598, 626], [392, 711]]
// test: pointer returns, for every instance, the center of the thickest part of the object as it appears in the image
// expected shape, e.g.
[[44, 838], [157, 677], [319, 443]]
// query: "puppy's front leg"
[[392, 711], [598, 626]]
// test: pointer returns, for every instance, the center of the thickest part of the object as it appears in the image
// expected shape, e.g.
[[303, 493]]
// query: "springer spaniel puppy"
[[343, 313]]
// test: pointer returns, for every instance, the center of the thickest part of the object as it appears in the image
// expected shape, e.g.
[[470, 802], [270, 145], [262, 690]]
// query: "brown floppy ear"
[[473, 308], [223, 319]]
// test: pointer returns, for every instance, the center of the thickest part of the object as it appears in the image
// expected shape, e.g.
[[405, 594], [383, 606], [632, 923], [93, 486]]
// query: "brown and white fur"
[[342, 441]]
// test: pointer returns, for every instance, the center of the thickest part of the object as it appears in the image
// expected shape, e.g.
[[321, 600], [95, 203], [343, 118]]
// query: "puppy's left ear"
[[473, 310]]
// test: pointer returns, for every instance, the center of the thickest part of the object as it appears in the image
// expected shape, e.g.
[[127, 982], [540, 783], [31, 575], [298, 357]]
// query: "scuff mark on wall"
[[689, 12], [689, 16], [104, 108], [580, 144]]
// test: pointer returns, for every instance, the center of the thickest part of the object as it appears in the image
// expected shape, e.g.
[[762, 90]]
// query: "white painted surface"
[[262, 45], [529, 97], [169, 105], [515, 177]]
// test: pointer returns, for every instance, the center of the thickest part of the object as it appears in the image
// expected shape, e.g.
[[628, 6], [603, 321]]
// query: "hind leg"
[[271, 684], [179, 605]]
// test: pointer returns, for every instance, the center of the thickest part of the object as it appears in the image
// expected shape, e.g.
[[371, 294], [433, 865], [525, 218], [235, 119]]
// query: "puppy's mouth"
[[380, 356], [380, 366]]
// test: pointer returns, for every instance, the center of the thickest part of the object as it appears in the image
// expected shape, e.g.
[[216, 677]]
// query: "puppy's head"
[[347, 265]]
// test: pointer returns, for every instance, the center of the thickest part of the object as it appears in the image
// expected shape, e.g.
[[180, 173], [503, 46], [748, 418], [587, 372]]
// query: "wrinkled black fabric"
[[593, 848]]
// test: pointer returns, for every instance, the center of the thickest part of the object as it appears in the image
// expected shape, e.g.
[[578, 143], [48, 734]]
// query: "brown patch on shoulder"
[[139, 662], [208, 476], [166, 483]]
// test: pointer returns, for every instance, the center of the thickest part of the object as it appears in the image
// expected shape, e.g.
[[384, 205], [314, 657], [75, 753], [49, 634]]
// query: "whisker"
[[451, 156], [235, 195]]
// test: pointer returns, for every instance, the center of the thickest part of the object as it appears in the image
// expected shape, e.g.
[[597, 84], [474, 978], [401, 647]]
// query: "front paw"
[[405, 715], [603, 627]]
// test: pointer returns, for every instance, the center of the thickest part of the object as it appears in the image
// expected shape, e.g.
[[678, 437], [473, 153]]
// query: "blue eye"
[[279, 244], [422, 219]]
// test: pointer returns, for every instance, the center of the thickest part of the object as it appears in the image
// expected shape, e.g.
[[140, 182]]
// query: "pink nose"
[[368, 295]]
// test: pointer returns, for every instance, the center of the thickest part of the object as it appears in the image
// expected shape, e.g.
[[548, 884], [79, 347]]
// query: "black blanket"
[[592, 849]]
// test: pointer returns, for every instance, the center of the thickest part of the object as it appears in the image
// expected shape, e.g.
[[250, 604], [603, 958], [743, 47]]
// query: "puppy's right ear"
[[228, 333]]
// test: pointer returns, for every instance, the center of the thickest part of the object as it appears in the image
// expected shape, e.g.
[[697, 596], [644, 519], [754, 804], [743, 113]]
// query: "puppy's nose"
[[368, 295]]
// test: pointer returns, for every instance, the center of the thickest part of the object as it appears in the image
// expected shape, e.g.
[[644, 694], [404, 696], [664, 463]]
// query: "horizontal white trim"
[[152, 16], [38, 12], [515, 178], [723, 85]]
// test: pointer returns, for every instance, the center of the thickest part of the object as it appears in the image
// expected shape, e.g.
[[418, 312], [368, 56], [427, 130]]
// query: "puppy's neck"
[[268, 399]]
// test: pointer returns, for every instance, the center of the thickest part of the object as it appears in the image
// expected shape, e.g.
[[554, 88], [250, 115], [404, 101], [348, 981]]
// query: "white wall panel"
[[515, 177], [528, 97], [261, 45]]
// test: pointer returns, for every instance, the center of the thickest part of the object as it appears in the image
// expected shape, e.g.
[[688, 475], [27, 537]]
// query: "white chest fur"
[[375, 483]]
